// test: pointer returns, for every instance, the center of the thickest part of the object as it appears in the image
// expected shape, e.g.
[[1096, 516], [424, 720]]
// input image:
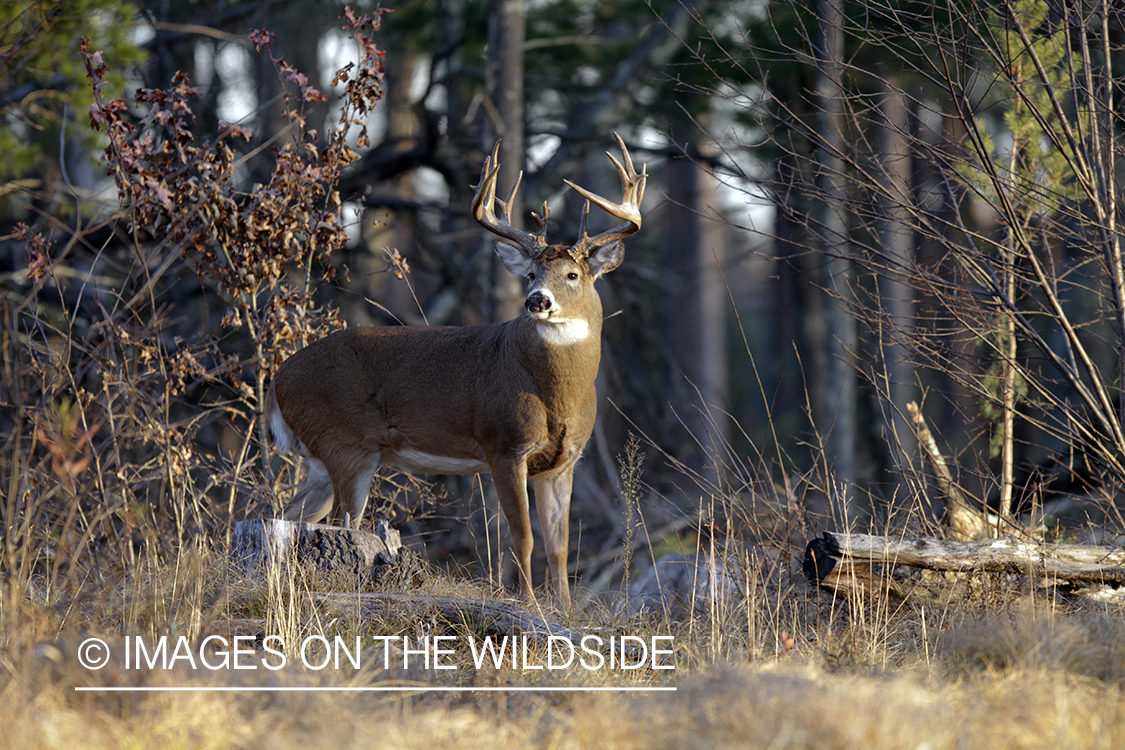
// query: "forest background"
[[851, 209]]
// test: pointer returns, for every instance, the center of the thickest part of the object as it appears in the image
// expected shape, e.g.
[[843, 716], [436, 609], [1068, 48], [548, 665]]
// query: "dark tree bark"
[[896, 240], [838, 424], [697, 302], [505, 93]]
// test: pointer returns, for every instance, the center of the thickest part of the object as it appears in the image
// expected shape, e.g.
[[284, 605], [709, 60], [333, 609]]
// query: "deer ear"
[[605, 258], [513, 258]]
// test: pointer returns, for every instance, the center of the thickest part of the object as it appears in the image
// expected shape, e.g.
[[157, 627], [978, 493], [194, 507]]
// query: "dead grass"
[[770, 705], [1031, 674]]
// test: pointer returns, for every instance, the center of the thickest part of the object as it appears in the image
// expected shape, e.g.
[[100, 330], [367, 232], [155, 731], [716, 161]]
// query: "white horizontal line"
[[387, 689]]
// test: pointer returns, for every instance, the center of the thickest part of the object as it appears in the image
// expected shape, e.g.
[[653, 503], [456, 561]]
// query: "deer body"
[[514, 399]]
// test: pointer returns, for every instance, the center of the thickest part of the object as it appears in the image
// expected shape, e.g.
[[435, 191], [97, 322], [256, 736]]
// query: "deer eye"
[[531, 276], [573, 276]]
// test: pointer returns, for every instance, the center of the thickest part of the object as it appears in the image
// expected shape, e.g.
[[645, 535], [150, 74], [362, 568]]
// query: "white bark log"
[[841, 562], [1072, 562]]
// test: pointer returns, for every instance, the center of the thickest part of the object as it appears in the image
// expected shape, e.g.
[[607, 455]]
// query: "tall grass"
[[785, 666]]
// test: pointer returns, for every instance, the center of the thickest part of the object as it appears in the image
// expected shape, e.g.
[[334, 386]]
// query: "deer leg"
[[510, 479], [552, 502], [351, 481], [313, 498]]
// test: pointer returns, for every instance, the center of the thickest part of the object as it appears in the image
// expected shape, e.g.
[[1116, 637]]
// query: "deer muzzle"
[[538, 303]]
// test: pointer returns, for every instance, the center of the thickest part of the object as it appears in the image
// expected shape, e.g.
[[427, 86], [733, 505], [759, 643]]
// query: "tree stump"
[[269, 545]]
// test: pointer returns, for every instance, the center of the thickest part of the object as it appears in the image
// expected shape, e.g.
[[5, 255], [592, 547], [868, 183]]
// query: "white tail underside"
[[283, 436]]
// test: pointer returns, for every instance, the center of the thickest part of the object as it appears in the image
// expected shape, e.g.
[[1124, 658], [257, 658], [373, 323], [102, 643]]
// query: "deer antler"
[[629, 209], [484, 209]]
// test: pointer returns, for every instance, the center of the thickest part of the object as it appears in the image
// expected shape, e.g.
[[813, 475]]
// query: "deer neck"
[[561, 355]]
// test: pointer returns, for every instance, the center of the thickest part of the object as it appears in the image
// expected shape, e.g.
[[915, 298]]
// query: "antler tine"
[[484, 208], [582, 247], [629, 209], [506, 204], [541, 222]]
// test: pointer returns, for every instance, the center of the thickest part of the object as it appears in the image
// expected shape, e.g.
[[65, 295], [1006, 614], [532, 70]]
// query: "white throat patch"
[[563, 331]]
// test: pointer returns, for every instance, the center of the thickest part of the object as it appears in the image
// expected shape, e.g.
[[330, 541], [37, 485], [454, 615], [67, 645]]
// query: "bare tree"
[[839, 400]]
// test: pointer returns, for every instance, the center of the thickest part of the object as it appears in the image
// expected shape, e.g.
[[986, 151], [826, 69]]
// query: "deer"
[[515, 399]]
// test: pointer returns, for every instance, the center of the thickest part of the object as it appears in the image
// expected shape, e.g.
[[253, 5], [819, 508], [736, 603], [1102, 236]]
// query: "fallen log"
[[842, 562], [483, 615], [501, 618]]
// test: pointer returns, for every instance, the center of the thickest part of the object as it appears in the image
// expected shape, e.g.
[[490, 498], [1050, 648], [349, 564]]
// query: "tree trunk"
[[840, 420], [896, 239], [396, 232], [697, 303], [505, 93]]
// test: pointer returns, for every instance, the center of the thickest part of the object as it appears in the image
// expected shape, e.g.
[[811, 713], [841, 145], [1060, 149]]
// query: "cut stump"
[[268, 545]]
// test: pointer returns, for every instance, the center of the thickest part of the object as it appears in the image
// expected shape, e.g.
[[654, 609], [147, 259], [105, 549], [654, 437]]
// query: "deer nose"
[[537, 302]]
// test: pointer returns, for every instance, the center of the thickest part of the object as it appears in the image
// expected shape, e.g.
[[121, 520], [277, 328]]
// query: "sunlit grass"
[[795, 670]]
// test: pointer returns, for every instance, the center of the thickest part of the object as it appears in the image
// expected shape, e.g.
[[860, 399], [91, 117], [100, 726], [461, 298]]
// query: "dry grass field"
[[785, 667]]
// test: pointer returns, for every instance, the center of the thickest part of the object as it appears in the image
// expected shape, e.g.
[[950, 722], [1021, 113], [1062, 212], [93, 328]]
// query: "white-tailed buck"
[[516, 399]]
